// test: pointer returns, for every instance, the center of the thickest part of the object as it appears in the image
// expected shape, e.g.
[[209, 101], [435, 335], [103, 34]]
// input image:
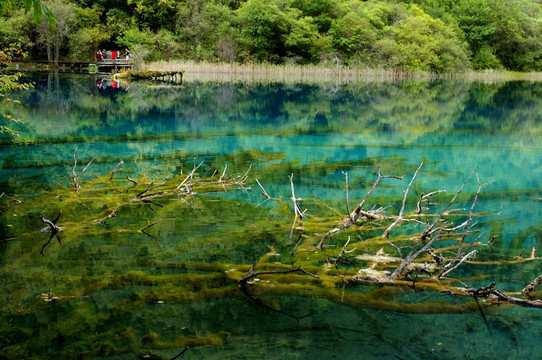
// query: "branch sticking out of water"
[[355, 215], [401, 212], [460, 254], [297, 211], [75, 176], [115, 169], [529, 288], [427, 198]]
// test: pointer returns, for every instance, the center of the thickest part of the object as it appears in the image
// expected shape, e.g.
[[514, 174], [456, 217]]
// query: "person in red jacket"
[[99, 56], [113, 55]]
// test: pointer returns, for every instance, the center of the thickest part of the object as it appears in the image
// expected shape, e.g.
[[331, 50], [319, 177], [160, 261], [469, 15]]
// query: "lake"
[[150, 256]]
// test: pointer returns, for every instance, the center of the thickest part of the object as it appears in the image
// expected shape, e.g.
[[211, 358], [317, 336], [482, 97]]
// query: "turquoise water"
[[314, 131]]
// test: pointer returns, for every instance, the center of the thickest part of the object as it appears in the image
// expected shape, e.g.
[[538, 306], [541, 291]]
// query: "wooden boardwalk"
[[108, 65], [111, 65]]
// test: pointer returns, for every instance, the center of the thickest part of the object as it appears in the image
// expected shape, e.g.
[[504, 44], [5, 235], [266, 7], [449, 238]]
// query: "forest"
[[410, 35]]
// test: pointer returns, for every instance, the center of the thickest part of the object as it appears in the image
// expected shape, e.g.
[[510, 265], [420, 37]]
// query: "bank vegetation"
[[407, 36]]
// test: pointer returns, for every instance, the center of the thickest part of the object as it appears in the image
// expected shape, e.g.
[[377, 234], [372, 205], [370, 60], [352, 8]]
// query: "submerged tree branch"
[[53, 228], [251, 274]]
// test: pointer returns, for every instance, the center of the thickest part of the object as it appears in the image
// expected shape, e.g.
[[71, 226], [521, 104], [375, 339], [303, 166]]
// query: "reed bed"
[[205, 71], [322, 73]]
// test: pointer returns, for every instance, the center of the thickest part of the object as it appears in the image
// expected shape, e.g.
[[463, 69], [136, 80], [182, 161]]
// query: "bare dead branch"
[[400, 217], [346, 193], [75, 175], [110, 216], [180, 354], [9, 197], [142, 195], [297, 211], [297, 243], [223, 173], [188, 177], [460, 253], [529, 288], [354, 216], [55, 230], [426, 197], [251, 274], [15, 202], [245, 175], [429, 230], [411, 257], [262, 190], [490, 242], [115, 170], [470, 255], [517, 301], [132, 180], [343, 251]]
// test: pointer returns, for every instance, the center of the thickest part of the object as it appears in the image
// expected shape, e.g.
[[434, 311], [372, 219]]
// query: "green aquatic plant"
[[141, 256]]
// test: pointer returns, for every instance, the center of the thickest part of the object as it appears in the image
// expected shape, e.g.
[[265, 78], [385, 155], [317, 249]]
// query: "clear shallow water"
[[312, 131]]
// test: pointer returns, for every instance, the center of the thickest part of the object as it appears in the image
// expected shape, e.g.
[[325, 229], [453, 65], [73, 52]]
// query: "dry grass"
[[205, 71], [498, 75]]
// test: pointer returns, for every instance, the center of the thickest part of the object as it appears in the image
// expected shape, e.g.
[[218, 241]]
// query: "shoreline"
[[234, 72], [289, 73]]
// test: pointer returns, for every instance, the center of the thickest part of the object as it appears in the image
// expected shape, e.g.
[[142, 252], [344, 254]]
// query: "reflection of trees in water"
[[409, 107]]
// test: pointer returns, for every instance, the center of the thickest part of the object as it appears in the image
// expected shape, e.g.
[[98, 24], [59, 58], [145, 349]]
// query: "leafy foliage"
[[412, 35]]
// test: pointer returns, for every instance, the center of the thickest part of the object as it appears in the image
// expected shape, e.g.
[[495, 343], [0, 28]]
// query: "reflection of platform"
[[111, 65]]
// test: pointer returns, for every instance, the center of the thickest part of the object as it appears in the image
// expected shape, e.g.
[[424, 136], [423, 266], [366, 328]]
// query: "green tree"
[[10, 83], [54, 37], [207, 32], [89, 34], [15, 29], [518, 34], [319, 10], [428, 44], [303, 42], [364, 33], [39, 9], [264, 27], [154, 15], [353, 33], [474, 18]]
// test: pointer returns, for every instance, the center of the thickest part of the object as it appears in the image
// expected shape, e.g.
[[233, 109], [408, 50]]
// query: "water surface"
[[115, 281]]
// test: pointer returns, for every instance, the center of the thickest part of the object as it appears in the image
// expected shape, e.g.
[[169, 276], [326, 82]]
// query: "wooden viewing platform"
[[108, 65], [111, 65]]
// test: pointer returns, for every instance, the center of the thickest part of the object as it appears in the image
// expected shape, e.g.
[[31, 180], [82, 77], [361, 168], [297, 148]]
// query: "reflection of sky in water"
[[452, 126]]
